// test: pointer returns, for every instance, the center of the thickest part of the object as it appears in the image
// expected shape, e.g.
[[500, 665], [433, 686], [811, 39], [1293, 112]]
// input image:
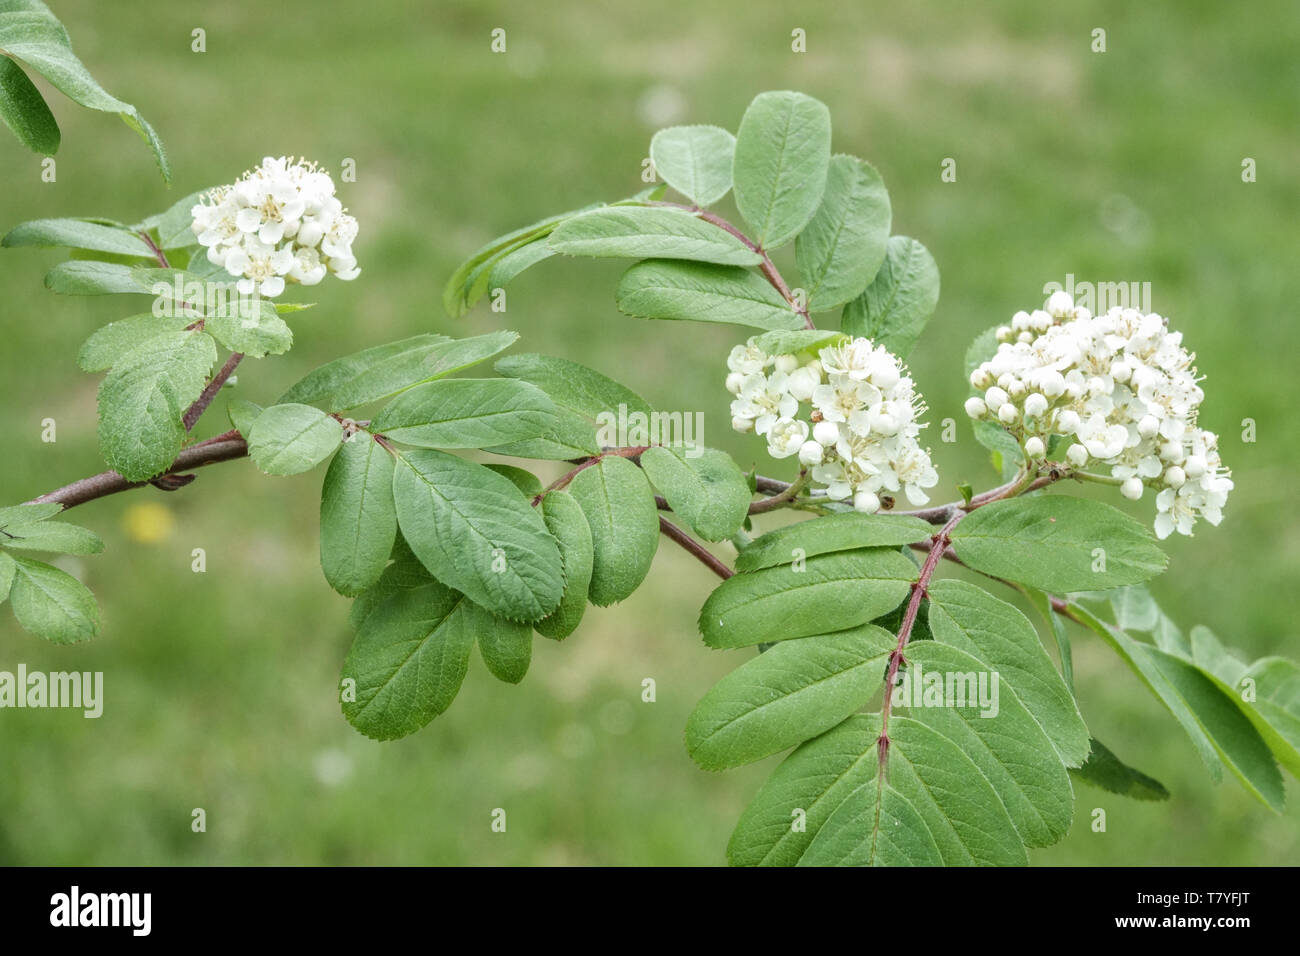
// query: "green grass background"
[[221, 687]]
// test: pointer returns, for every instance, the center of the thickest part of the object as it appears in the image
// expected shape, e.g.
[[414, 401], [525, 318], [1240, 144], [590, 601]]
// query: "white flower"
[[802, 381], [747, 359], [1124, 387], [860, 435], [280, 220], [786, 437]]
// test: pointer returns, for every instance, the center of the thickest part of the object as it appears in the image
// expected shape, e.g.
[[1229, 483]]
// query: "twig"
[[210, 391], [938, 545], [225, 447], [694, 548], [767, 266]]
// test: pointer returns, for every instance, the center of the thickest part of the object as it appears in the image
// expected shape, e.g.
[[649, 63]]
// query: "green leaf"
[[475, 531], [90, 277], [645, 232], [78, 234], [55, 536], [842, 532], [1058, 543], [706, 489], [580, 389], [118, 340], [994, 725], [467, 413], [703, 292], [1042, 603], [52, 604], [1275, 711], [472, 277], [385, 370], [358, 520], [832, 592], [404, 573], [793, 692], [782, 342], [843, 247], [25, 111], [932, 808], [1103, 769], [695, 161], [8, 569], [242, 414], [584, 400], [1235, 738], [969, 618], [290, 439], [29, 32], [505, 646], [506, 269], [566, 521], [408, 660], [1221, 734], [174, 225], [783, 151], [253, 331], [143, 399], [619, 506], [29, 512], [894, 309], [522, 479]]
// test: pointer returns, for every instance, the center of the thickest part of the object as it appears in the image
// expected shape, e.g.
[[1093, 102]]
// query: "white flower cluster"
[[1123, 387], [279, 221], [860, 434]]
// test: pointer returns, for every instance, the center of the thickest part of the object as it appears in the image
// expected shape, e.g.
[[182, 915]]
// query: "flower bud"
[[826, 433], [742, 425], [810, 453], [1175, 477], [786, 363], [981, 379], [1068, 421], [1035, 405], [975, 407], [1148, 426], [1194, 466], [1008, 414], [995, 397], [1035, 448], [801, 382], [866, 502], [734, 381], [1131, 489], [1077, 455], [1060, 304]]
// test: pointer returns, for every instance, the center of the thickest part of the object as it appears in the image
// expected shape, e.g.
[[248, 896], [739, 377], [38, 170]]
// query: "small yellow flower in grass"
[[148, 522]]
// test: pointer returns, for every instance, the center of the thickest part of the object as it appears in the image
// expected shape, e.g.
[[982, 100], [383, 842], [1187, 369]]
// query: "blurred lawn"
[[221, 687]]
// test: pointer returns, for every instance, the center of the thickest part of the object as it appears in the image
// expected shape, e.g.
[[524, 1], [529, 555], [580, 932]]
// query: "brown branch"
[[210, 391], [767, 266], [225, 447], [938, 545], [781, 498], [158, 254], [694, 548]]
